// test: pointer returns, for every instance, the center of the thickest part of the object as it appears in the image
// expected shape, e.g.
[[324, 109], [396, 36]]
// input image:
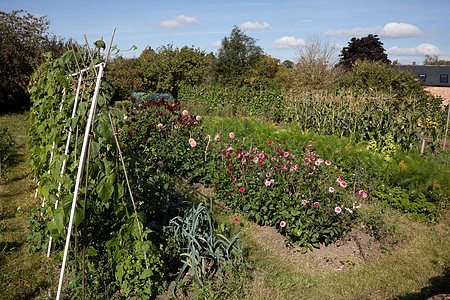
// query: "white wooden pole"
[[53, 148], [66, 151], [446, 129], [80, 171]]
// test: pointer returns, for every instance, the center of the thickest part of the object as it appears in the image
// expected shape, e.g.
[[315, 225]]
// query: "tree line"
[[239, 62]]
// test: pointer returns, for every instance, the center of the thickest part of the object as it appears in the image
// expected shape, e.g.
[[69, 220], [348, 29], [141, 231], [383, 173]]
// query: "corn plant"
[[202, 250]]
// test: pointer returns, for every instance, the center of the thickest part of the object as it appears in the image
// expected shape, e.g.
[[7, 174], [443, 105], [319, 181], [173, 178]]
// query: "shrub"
[[401, 85], [158, 132], [123, 74], [6, 146], [412, 202]]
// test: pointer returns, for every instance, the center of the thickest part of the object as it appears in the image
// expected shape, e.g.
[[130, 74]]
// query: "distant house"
[[430, 75], [435, 78]]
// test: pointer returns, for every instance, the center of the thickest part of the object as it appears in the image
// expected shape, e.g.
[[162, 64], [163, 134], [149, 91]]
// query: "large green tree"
[[168, 68], [237, 56], [365, 48], [123, 74], [23, 39]]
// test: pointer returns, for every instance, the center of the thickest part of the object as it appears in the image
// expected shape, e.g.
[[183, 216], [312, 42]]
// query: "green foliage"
[[38, 235], [167, 69], [315, 68], [376, 222], [400, 84], [162, 71], [365, 48], [103, 210], [124, 74], [236, 57], [410, 201], [392, 167], [434, 60], [264, 74], [162, 135], [359, 115], [138, 275], [23, 38], [204, 252], [6, 148], [234, 101]]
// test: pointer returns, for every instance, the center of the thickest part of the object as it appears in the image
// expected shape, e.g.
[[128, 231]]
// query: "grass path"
[[22, 274]]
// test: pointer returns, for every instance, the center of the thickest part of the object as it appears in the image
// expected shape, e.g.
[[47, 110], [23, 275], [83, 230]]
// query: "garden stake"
[[66, 151], [446, 129], [126, 178], [118, 146], [207, 145], [84, 211], [75, 56], [82, 60], [89, 54], [77, 184]]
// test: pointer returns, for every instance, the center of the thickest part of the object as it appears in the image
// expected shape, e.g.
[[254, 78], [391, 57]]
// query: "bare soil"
[[355, 247]]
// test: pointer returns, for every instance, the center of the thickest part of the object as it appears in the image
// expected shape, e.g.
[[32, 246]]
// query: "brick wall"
[[443, 91]]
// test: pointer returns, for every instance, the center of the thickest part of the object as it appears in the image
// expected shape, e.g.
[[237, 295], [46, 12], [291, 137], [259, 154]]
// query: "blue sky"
[[409, 29]]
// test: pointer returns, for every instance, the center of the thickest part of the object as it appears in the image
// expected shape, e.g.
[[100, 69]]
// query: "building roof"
[[433, 75]]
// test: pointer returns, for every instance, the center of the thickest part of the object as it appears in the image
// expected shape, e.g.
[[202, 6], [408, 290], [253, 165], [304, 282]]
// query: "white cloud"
[[421, 50], [217, 44], [391, 30], [400, 30], [255, 26], [408, 55], [177, 22], [286, 42]]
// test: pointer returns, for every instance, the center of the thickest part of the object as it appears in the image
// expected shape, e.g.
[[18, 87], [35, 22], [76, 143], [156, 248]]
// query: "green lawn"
[[22, 275]]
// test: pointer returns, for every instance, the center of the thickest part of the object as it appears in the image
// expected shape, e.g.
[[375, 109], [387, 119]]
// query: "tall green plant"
[[104, 224], [204, 252]]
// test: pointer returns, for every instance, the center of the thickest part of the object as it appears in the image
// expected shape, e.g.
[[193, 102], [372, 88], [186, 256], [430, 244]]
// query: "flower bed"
[[304, 195]]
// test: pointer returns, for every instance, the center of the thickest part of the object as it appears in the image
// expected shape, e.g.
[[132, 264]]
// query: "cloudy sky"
[[409, 29]]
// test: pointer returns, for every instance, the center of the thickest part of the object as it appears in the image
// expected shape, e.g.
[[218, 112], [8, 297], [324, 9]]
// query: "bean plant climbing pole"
[[70, 97]]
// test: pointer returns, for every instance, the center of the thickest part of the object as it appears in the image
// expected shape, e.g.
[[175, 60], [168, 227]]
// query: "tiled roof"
[[434, 75]]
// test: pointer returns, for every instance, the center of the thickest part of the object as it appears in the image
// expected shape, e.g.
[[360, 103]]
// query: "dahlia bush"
[[163, 136], [301, 193]]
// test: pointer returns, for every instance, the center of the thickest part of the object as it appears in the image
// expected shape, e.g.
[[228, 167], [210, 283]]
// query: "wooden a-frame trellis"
[[85, 151]]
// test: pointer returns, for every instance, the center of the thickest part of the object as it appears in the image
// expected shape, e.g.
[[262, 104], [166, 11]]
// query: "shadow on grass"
[[438, 285], [10, 246]]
